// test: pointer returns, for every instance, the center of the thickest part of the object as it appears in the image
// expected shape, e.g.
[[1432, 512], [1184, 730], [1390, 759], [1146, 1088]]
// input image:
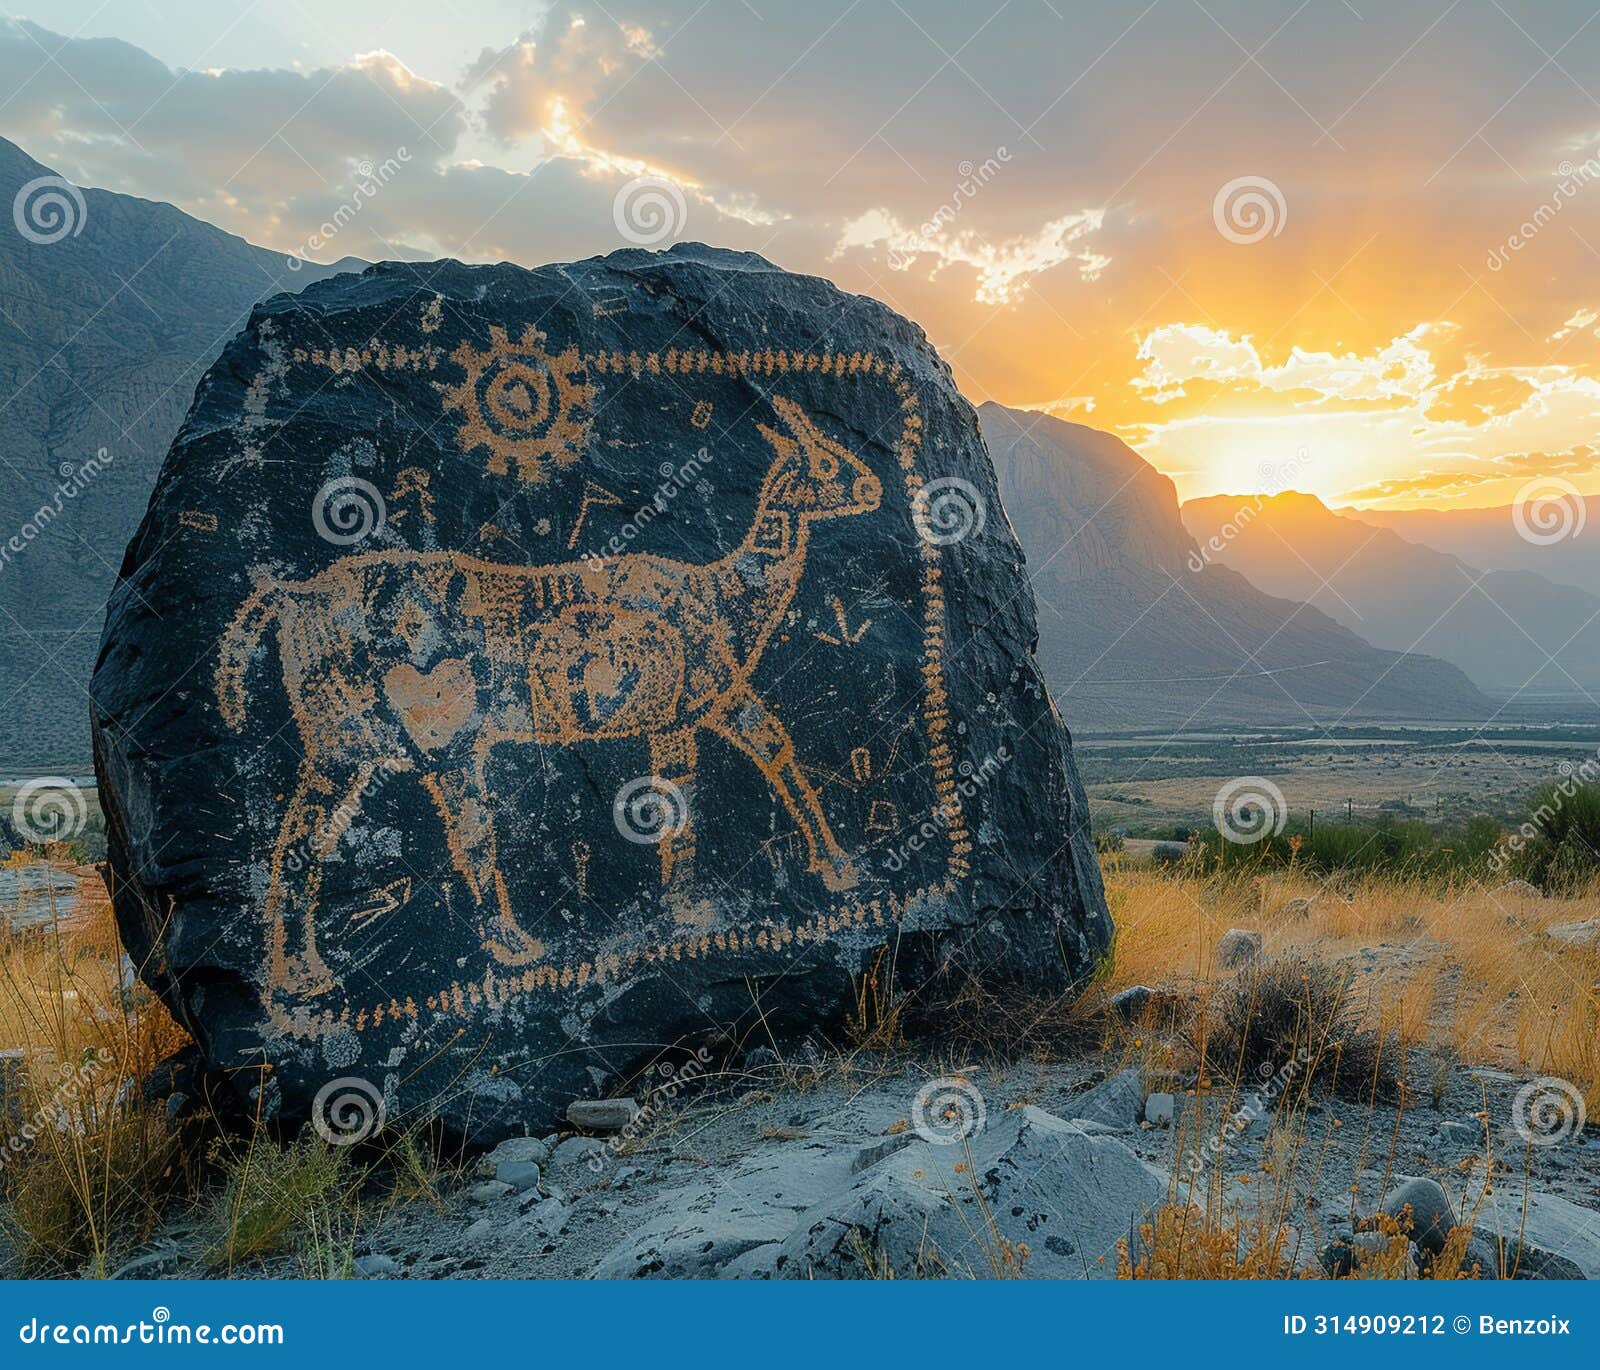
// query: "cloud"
[[562, 67], [112, 114], [1002, 267], [1519, 466], [1580, 319], [1403, 369]]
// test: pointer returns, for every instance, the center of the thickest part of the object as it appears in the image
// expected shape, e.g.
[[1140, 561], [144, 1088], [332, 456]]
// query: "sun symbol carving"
[[525, 406]]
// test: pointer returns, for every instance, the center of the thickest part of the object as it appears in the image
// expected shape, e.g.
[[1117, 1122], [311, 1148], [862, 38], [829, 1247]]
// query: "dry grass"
[[276, 1198], [88, 1160], [1457, 966]]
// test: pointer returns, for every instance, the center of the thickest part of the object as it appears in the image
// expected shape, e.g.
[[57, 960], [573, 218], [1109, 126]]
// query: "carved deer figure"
[[422, 662]]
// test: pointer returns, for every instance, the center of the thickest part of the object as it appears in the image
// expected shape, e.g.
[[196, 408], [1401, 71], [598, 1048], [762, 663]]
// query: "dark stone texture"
[[521, 676]]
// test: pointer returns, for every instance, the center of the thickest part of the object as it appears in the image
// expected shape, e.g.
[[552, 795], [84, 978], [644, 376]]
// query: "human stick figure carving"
[[423, 662]]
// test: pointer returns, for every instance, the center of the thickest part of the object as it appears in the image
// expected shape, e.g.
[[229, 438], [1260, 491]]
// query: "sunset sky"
[[1394, 334]]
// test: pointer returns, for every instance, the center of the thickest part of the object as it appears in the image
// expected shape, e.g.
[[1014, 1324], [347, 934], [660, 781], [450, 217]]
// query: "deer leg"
[[312, 824], [673, 755], [462, 798], [753, 728]]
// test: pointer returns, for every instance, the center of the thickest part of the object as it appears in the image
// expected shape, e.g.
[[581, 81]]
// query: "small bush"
[[274, 1196], [1297, 1015]]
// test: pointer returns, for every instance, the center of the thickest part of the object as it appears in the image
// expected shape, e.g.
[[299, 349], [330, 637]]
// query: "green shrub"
[[1563, 850], [1387, 845]]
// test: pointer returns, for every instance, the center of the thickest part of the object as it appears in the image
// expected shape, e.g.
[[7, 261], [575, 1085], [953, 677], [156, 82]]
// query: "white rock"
[[1238, 947], [1160, 1109], [602, 1115]]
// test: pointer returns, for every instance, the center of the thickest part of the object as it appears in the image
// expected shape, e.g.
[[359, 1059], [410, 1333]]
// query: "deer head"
[[814, 476]]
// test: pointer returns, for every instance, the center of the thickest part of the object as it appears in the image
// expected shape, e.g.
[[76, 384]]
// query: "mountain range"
[[1510, 631], [111, 309], [1489, 538], [1137, 629], [107, 324]]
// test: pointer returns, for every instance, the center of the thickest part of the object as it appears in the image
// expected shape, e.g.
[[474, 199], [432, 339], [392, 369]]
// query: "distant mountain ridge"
[[108, 319], [1130, 634], [1500, 627], [1488, 538]]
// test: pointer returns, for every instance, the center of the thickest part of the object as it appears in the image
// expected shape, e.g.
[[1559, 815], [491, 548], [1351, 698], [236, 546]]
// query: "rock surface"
[[515, 667], [1060, 1198], [1238, 947], [602, 1115]]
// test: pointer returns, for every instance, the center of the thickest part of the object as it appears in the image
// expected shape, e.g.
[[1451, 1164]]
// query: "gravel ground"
[[715, 1186]]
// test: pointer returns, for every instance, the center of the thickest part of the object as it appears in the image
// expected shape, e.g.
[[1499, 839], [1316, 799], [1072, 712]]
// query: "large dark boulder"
[[521, 678]]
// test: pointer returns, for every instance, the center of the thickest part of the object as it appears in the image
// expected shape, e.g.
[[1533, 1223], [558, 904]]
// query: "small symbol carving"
[[845, 635], [392, 896], [592, 494], [411, 481]]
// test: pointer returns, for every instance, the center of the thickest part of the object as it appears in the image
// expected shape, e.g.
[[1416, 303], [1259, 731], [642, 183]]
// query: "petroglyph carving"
[[422, 663], [526, 407]]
